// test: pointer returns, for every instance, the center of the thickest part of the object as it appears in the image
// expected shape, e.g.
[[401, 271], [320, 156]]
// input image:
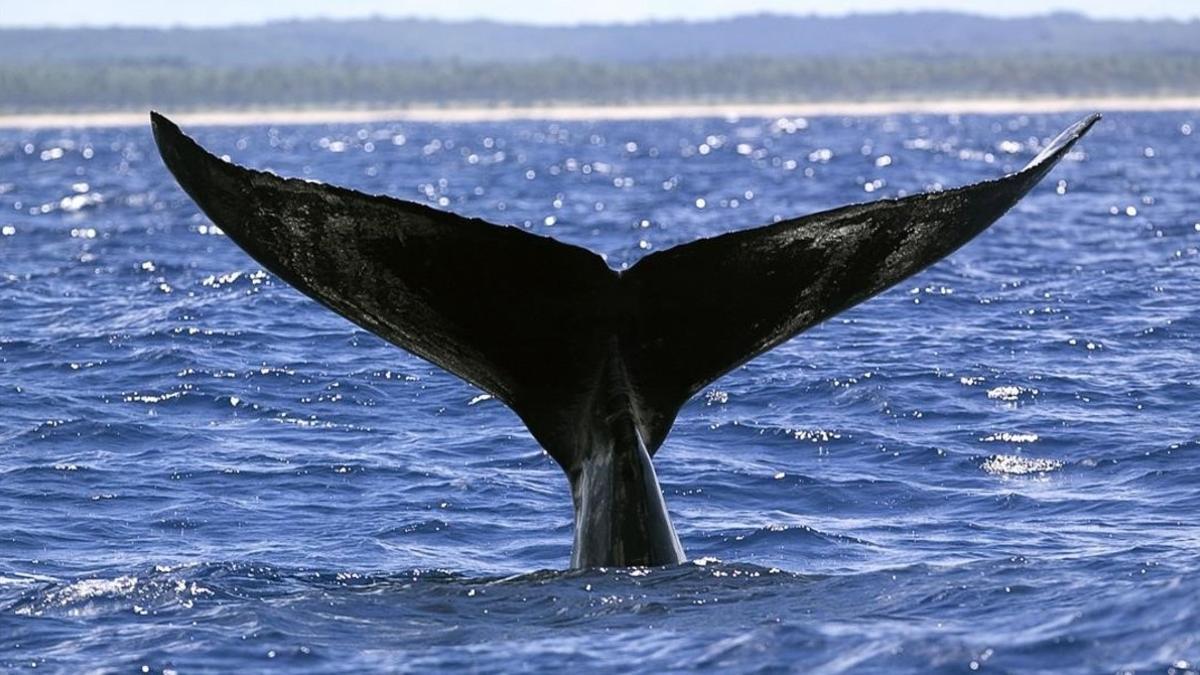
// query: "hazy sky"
[[217, 12]]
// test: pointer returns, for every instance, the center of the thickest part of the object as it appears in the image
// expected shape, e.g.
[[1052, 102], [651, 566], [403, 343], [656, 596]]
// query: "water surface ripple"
[[990, 467]]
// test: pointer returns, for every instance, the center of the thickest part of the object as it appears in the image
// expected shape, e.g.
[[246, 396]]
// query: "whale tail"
[[548, 328]]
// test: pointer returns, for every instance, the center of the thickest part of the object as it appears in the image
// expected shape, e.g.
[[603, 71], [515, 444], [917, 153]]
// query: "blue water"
[[990, 467]]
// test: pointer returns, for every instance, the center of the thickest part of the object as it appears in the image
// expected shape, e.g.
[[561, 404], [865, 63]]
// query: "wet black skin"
[[620, 515], [596, 362]]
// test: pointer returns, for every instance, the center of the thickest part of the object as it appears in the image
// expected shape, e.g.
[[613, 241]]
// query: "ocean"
[[990, 467]]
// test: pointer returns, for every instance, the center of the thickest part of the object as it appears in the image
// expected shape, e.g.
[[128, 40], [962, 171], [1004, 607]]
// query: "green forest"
[[114, 86]]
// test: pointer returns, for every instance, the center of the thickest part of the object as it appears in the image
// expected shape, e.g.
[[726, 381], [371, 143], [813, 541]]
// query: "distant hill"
[[397, 63], [769, 36]]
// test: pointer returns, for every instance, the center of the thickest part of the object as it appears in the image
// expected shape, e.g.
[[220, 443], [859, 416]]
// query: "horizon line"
[[648, 21]]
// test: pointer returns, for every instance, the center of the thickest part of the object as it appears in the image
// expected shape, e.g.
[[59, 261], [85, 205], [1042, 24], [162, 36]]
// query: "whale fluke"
[[708, 306], [596, 362]]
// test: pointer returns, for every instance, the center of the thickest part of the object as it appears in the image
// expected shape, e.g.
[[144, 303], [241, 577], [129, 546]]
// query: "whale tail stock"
[[594, 361]]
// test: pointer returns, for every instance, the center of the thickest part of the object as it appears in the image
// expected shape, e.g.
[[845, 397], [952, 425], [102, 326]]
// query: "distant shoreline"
[[577, 112]]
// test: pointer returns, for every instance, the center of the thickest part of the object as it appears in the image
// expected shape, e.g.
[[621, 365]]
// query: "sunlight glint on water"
[[991, 466]]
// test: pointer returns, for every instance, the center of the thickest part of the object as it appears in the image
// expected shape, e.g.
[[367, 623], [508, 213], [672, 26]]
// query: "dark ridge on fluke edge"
[[596, 362]]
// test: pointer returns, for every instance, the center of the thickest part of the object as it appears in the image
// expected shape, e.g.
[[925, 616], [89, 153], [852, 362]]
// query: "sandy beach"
[[598, 112]]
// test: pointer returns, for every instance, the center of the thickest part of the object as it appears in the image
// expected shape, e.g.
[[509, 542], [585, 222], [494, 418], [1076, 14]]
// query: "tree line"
[[129, 85]]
